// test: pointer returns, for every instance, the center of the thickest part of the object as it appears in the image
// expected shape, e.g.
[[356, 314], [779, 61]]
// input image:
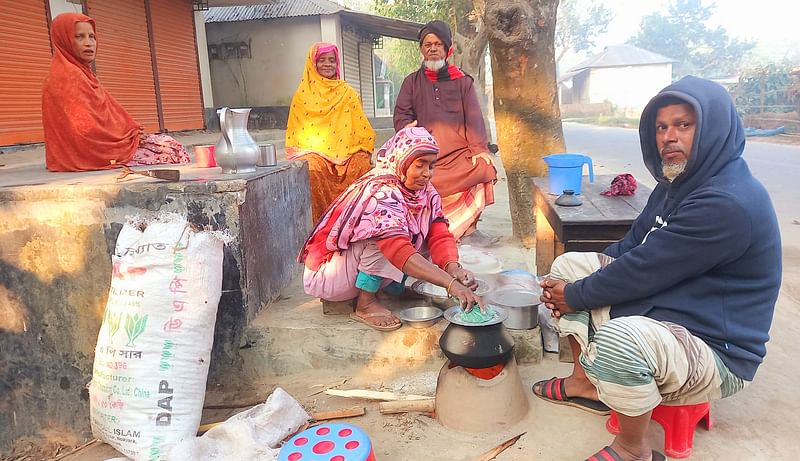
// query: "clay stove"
[[479, 387]]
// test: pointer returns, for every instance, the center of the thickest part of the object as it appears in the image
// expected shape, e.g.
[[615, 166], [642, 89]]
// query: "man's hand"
[[411, 125], [486, 157], [553, 297]]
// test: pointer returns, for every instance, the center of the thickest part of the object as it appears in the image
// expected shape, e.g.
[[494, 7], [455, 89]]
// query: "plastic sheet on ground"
[[252, 435]]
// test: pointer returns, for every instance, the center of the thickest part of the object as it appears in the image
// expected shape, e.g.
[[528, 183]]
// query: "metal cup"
[[204, 156], [268, 155]]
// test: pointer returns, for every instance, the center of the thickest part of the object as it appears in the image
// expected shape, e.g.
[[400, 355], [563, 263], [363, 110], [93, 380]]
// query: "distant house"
[[384, 89], [624, 76], [257, 52]]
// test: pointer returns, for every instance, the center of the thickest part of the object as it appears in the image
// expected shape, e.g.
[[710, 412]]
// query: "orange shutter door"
[[25, 56], [176, 61], [123, 61]]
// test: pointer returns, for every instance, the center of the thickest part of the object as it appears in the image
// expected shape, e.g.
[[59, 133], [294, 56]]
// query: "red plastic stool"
[[328, 442], [678, 421]]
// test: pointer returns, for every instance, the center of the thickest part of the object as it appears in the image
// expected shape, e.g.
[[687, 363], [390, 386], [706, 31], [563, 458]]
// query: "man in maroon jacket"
[[441, 98]]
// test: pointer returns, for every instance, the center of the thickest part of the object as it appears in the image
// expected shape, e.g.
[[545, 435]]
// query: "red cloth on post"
[[85, 128]]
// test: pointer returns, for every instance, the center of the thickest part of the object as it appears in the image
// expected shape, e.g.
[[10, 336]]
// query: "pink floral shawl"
[[378, 205]]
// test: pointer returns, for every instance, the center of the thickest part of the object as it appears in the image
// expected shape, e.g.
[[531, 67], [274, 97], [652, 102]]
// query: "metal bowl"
[[421, 316], [522, 306], [434, 294]]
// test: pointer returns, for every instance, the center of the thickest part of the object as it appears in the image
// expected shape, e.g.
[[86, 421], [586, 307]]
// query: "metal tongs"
[[166, 175]]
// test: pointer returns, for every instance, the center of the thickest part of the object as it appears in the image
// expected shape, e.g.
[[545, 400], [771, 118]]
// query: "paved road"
[[617, 150]]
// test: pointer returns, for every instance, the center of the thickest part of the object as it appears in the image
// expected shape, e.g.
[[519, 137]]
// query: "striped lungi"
[[635, 362], [462, 209]]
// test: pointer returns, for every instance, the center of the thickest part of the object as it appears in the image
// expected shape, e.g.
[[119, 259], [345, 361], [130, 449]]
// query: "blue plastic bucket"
[[566, 171]]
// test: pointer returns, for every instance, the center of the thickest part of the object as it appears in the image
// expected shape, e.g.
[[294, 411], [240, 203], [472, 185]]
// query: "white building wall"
[[202, 57], [278, 49], [63, 6], [331, 30], [628, 88]]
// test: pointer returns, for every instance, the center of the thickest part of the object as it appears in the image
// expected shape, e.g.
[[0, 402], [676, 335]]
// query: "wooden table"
[[592, 226]]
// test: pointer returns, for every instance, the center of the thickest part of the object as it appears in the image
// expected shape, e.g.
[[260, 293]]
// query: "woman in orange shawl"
[[85, 128], [327, 127]]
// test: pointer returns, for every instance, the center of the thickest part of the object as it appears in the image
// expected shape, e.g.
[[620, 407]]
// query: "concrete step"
[[292, 335]]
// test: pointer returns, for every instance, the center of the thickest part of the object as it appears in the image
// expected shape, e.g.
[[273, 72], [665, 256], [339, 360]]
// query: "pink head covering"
[[323, 47], [378, 204]]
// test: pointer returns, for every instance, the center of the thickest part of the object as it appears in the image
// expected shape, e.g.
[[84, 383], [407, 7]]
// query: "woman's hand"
[[464, 276], [466, 296], [456, 280]]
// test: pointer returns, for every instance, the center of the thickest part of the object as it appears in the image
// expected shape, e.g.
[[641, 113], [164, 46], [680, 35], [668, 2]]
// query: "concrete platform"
[[57, 232], [293, 336], [758, 424]]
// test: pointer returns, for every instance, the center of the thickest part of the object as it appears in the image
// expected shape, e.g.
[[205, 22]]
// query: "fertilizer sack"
[[154, 346]]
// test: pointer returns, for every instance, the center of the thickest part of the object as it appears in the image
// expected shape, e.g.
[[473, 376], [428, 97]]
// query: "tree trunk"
[[469, 56], [470, 41], [521, 38]]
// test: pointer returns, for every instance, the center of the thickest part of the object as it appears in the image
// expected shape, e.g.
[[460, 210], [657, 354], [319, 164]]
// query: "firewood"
[[491, 454], [337, 414], [405, 406], [374, 395]]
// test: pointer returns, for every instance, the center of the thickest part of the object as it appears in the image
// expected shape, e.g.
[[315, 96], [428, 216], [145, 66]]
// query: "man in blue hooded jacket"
[[679, 310]]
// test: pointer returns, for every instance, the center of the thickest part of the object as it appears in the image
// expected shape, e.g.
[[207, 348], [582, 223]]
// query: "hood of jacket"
[[718, 140]]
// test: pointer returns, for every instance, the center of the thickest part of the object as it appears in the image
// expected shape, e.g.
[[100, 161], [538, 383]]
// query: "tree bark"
[[470, 41], [521, 39]]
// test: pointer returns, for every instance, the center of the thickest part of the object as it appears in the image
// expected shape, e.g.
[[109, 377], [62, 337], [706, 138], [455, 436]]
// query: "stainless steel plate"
[[428, 289], [484, 286], [453, 315], [514, 297]]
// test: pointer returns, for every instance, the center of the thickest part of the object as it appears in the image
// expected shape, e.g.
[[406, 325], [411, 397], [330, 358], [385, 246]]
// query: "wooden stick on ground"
[[328, 386], [491, 454], [321, 416], [229, 406], [338, 414], [207, 427], [374, 395], [76, 449], [404, 406]]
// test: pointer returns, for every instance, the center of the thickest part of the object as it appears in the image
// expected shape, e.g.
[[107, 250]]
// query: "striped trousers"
[[637, 363]]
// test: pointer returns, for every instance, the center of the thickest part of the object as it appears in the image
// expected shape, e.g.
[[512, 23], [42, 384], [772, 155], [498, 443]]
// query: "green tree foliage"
[[402, 56], [684, 36], [769, 88], [577, 25]]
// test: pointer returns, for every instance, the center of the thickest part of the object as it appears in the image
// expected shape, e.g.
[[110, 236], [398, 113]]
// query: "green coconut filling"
[[476, 316]]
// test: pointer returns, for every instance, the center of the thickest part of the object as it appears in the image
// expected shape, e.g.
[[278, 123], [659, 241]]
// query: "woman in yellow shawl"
[[327, 127]]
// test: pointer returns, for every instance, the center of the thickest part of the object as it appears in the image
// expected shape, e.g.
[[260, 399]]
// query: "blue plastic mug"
[[566, 171]]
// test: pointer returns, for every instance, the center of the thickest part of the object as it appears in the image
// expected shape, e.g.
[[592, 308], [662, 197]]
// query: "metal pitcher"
[[236, 151]]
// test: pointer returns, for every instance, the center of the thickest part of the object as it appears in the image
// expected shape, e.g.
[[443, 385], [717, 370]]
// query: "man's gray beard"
[[672, 170], [434, 65]]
